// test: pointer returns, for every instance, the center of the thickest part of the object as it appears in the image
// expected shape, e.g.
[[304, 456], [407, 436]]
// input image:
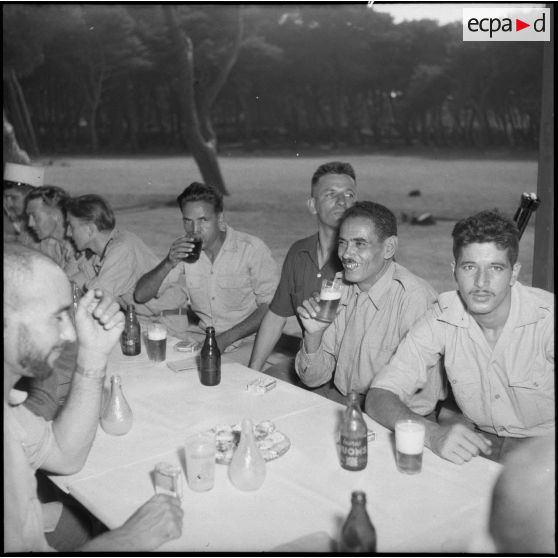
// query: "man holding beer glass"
[[380, 302], [308, 261], [496, 340], [229, 284]]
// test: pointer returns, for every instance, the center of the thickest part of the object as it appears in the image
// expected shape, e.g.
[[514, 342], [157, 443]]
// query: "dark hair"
[[333, 167], [487, 226], [22, 187], [52, 196], [384, 220], [201, 192], [93, 209]]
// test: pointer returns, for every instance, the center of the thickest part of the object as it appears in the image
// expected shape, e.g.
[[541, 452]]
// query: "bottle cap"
[[358, 496]]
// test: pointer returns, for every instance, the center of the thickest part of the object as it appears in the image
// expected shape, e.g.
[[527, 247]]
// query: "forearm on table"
[[385, 407], [75, 426], [116, 540], [244, 328], [268, 334], [149, 284]]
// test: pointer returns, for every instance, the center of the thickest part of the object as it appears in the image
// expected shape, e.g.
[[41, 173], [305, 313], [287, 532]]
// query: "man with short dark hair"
[[37, 322], [229, 286], [496, 340], [308, 261], [382, 300]]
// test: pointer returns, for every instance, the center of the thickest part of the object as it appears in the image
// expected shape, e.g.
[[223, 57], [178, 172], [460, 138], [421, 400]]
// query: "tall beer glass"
[[330, 295], [156, 342], [409, 445]]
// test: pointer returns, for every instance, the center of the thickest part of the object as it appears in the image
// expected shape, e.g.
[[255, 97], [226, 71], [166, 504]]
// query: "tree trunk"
[[204, 152], [12, 152], [28, 129], [207, 97]]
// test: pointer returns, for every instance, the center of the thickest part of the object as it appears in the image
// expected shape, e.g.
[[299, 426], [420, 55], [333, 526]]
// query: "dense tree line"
[[137, 77]]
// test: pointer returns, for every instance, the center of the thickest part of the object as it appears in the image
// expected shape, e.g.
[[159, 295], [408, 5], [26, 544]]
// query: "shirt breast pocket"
[[236, 292], [469, 397], [533, 394]]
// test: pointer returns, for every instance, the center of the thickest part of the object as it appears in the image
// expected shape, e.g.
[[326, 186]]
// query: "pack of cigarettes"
[[168, 480], [261, 385]]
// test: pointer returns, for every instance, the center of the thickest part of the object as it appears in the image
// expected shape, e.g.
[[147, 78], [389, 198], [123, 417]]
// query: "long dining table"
[[306, 494]]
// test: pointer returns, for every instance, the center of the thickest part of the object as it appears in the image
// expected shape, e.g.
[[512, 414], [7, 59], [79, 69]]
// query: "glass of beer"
[[194, 255], [156, 342], [409, 445], [330, 295]]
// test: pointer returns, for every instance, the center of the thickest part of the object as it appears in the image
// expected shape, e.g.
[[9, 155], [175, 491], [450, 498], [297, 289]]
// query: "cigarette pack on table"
[[261, 385], [168, 479]]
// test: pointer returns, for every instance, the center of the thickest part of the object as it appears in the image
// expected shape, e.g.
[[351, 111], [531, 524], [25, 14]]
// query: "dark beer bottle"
[[353, 437], [358, 534], [210, 360], [130, 340]]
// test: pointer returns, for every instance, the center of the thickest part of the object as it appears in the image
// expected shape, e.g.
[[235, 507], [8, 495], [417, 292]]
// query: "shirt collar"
[[522, 309]]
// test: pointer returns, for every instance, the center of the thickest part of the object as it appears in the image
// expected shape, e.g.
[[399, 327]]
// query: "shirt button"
[[212, 298], [454, 381], [496, 396], [318, 275], [536, 384]]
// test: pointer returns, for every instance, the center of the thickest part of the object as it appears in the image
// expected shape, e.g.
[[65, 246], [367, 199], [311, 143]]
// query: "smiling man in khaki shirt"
[[381, 302], [496, 339]]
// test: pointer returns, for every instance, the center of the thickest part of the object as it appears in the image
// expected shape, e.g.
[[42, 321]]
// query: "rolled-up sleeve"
[[317, 368], [415, 358], [38, 436]]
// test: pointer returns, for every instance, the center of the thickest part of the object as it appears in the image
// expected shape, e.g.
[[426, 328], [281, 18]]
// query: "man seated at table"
[[523, 514], [496, 338], [19, 180], [47, 219], [380, 303], [37, 302], [308, 261], [45, 208], [119, 258], [229, 286]]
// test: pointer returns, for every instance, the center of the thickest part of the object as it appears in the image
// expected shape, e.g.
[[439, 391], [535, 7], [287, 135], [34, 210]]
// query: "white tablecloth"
[[305, 492]]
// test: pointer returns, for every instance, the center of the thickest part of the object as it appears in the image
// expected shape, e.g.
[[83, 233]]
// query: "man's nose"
[[481, 277], [31, 221], [341, 200]]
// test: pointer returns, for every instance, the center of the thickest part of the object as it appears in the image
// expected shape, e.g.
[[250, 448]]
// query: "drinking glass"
[[409, 446]]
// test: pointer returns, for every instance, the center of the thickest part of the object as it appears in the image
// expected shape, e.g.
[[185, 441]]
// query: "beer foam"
[[330, 295], [409, 437], [156, 332]]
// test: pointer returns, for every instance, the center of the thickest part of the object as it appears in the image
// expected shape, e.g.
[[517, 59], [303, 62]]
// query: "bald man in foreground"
[[522, 518], [37, 322]]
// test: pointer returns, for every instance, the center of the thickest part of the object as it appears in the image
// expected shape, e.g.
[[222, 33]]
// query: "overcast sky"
[[444, 12]]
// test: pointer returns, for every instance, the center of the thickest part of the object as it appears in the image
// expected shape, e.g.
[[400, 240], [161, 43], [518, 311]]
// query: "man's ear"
[[311, 204], [390, 246], [221, 222]]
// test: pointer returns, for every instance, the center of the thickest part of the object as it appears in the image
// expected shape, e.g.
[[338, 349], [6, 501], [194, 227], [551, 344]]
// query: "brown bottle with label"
[[353, 437], [130, 340]]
